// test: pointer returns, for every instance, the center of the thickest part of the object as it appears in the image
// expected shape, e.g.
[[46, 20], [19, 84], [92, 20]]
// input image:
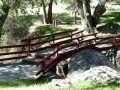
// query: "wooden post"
[[95, 38], [28, 48], [94, 41], [43, 68], [71, 34], [53, 38], [82, 36], [114, 41], [77, 44], [56, 55], [54, 24]]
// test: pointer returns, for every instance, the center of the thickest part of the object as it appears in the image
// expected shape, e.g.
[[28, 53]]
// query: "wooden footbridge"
[[46, 51]]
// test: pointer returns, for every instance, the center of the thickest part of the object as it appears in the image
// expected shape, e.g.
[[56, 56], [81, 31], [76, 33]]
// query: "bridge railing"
[[45, 41], [76, 42], [93, 43], [14, 52], [107, 42], [17, 52]]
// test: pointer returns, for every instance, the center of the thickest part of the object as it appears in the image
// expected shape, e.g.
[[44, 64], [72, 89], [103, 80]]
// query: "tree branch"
[[99, 10]]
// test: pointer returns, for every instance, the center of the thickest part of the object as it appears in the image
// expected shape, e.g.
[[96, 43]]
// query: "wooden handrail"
[[13, 46], [34, 38], [21, 53], [47, 41]]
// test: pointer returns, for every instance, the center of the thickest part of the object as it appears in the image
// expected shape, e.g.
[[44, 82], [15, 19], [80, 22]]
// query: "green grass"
[[110, 17], [82, 85], [49, 29], [31, 84], [64, 16], [115, 85]]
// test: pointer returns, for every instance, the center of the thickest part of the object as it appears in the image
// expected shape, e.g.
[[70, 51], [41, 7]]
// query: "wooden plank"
[[13, 46], [61, 42], [24, 40], [21, 52]]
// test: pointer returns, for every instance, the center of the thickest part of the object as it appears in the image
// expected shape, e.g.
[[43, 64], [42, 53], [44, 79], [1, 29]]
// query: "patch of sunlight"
[[32, 29], [69, 26], [111, 18]]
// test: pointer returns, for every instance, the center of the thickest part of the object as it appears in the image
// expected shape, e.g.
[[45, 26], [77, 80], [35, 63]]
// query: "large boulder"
[[88, 65], [96, 74], [114, 56], [111, 28], [86, 59]]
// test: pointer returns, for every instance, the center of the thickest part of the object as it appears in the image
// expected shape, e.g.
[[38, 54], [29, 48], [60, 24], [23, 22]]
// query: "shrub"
[[13, 30]]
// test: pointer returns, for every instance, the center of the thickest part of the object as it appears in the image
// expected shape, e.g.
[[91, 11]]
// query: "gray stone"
[[52, 75], [114, 56], [62, 68], [96, 74], [86, 59], [91, 65], [111, 28]]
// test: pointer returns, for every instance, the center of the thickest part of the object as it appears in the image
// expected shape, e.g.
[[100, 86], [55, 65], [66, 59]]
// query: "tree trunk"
[[3, 17], [50, 12], [44, 13], [99, 10], [83, 7], [81, 12], [87, 15], [75, 17], [87, 20]]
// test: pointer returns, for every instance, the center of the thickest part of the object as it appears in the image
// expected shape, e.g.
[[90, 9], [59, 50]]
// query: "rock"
[[52, 75], [86, 59], [62, 68], [96, 74], [56, 84], [59, 84], [91, 65], [114, 56], [117, 58], [111, 28]]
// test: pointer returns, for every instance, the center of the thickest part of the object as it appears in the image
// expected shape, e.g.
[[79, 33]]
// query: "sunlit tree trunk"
[[75, 17], [44, 13]]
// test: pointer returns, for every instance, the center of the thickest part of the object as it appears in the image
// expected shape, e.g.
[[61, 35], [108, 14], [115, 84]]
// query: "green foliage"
[[42, 30], [21, 5], [14, 29]]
